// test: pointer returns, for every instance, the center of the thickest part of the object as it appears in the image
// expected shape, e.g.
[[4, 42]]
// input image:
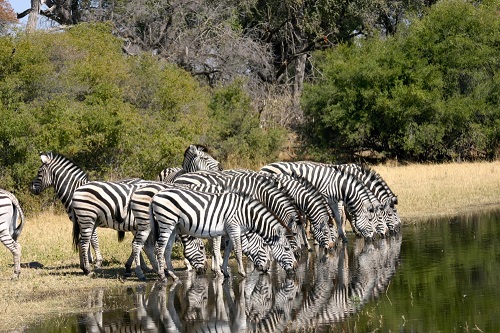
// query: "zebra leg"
[[335, 207], [216, 257], [150, 252], [137, 245], [84, 249], [225, 262], [95, 245], [167, 251], [303, 233], [15, 248], [235, 236]]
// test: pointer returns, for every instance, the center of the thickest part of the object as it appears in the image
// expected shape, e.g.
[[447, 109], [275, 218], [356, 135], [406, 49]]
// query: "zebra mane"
[[198, 147], [62, 159], [377, 177], [248, 198]]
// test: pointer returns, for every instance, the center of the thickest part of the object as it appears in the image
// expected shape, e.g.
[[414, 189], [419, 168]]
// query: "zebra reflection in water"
[[326, 289]]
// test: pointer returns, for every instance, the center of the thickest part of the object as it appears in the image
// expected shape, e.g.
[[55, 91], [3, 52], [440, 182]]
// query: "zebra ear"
[[44, 157]]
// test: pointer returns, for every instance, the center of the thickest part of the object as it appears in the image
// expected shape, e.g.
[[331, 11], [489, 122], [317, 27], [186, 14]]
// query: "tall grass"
[[424, 191], [434, 190]]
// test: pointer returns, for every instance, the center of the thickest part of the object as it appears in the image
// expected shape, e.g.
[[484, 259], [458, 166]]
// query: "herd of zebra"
[[262, 214]]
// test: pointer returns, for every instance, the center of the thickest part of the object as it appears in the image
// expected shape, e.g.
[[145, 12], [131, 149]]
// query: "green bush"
[[77, 94], [428, 93]]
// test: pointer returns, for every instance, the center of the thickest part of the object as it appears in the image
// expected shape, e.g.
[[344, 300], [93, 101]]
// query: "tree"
[[7, 16], [428, 93]]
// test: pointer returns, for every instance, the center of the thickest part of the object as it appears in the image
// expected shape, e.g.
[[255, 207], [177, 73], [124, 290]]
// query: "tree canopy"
[[428, 93]]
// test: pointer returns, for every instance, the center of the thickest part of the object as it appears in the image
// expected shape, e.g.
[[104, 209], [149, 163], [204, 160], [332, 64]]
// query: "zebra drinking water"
[[10, 212], [208, 215], [335, 187]]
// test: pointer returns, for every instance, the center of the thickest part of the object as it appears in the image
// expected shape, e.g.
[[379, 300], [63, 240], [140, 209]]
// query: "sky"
[[20, 6]]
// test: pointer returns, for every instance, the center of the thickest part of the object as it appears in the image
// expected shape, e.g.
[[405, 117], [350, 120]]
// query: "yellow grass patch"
[[433, 190]]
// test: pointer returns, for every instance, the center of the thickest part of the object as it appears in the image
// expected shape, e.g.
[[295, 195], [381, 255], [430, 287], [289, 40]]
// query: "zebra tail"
[[19, 228], [121, 235], [154, 234], [76, 233]]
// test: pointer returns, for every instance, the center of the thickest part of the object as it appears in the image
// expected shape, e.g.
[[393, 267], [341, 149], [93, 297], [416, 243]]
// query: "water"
[[440, 276]]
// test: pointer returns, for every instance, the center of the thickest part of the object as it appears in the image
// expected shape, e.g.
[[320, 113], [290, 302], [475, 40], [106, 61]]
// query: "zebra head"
[[322, 233], [196, 158], [282, 252], [58, 171], [44, 177], [194, 252], [256, 250], [393, 220], [363, 220]]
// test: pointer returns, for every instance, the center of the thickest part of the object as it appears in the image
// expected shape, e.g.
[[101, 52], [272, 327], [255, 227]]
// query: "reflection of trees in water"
[[326, 289]]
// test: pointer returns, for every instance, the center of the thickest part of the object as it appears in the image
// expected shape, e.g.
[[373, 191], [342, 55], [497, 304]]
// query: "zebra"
[[65, 176], [168, 175], [379, 212], [10, 212], [309, 200], [209, 215], [194, 249], [381, 190], [259, 187], [196, 157], [335, 187]]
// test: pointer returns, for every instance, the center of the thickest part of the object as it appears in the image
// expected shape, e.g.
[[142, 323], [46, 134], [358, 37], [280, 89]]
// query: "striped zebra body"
[[380, 189], [258, 187], [379, 220], [208, 215], [335, 187], [10, 212], [194, 250], [308, 200], [313, 204], [61, 173], [105, 204], [168, 175]]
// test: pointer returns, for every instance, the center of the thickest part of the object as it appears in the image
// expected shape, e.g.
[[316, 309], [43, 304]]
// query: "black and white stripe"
[[380, 189], [208, 215], [196, 157], [335, 187], [10, 213], [65, 176]]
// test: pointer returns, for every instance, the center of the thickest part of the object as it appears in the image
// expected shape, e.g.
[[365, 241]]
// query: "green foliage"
[[237, 129], [429, 93], [77, 94]]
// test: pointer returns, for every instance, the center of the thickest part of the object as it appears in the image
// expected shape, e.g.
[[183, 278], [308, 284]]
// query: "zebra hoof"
[[142, 279], [127, 274], [15, 276]]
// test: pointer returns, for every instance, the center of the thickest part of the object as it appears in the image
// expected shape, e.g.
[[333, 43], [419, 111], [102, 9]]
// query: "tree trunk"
[[33, 16], [298, 82]]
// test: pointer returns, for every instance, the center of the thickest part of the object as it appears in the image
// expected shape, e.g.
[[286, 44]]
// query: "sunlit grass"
[[433, 190]]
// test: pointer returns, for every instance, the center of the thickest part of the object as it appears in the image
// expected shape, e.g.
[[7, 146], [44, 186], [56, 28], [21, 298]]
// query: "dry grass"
[[424, 191], [434, 190]]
